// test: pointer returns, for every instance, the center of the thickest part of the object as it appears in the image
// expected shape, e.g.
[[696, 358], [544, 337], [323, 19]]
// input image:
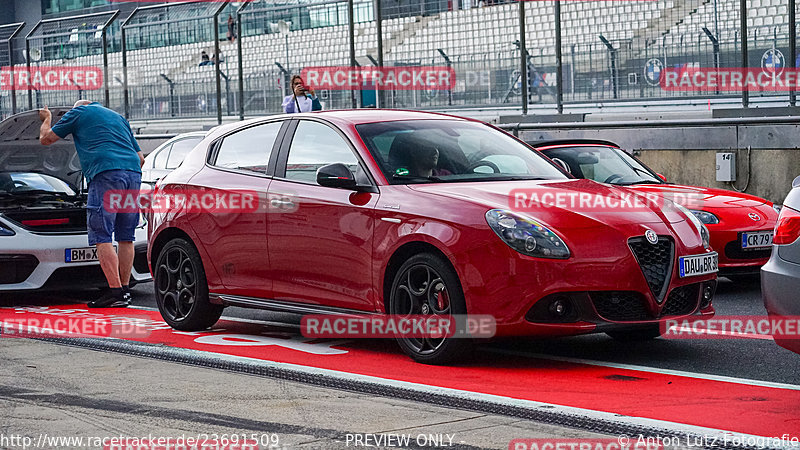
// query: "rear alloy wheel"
[[426, 285], [181, 288], [636, 335]]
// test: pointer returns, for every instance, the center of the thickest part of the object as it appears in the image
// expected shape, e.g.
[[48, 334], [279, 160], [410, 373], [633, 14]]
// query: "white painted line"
[[720, 436], [680, 373]]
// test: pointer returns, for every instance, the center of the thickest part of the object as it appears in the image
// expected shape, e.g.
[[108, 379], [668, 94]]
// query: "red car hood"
[[501, 194], [694, 197]]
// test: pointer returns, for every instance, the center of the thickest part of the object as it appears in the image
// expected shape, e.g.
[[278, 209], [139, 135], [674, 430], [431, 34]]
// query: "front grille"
[[50, 220], [620, 306], [78, 277], [655, 260], [733, 250], [682, 300], [16, 268]]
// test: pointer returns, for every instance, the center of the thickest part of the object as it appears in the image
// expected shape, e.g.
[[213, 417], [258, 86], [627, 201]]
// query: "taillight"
[[788, 228]]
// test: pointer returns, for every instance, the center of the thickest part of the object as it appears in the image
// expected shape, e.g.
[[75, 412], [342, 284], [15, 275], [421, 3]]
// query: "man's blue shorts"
[[103, 221]]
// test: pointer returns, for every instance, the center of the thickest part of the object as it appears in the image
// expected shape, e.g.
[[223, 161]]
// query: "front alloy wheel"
[[426, 285]]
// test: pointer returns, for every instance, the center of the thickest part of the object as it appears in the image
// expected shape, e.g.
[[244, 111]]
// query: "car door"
[[320, 238], [236, 240]]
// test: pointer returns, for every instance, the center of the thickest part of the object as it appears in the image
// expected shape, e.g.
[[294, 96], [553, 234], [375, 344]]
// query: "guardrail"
[[515, 128]]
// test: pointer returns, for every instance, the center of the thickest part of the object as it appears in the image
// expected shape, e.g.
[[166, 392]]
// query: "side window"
[[179, 151], [160, 161], [248, 149], [315, 145]]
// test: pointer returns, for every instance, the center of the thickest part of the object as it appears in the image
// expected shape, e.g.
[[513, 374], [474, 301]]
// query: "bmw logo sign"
[[651, 237], [754, 216]]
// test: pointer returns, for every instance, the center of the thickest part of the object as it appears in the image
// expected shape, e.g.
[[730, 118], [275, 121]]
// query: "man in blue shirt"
[[111, 160]]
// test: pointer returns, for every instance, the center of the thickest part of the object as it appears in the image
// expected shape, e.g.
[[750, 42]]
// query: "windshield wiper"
[[417, 178], [37, 192], [639, 182]]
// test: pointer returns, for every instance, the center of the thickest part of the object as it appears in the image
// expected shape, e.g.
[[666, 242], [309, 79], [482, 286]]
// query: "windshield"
[[28, 182], [603, 164], [450, 151]]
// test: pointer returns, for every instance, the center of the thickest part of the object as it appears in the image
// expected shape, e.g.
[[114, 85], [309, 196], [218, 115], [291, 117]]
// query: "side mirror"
[[336, 176], [663, 178]]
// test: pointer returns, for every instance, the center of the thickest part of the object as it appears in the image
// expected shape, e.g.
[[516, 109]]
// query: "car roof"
[[371, 115], [567, 142], [342, 117]]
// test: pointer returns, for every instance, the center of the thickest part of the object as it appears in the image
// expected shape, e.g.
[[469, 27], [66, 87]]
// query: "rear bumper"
[[780, 283]]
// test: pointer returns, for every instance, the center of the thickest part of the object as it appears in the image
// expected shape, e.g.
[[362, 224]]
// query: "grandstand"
[[477, 39]]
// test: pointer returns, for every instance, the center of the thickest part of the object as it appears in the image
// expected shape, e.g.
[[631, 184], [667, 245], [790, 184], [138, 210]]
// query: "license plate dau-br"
[[698, 264]]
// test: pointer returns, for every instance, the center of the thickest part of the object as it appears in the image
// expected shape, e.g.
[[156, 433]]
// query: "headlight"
[[697, 223], [4, 231], [705, 216], [526, 236]]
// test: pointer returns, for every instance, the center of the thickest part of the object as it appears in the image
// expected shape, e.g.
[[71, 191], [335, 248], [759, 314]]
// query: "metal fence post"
[[745, 59], [126, 105], [559, 66], [241, 64], [523, 58], [217, 68], [107, 94], [28, 68], [13, 82], [351, 28], [792, 47], [379, 28]]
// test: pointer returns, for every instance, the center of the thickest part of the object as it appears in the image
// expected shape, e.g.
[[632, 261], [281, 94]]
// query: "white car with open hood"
[[43, 238]]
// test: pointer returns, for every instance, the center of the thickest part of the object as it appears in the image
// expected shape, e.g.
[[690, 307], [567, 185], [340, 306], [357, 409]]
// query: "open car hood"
[[20, 150]]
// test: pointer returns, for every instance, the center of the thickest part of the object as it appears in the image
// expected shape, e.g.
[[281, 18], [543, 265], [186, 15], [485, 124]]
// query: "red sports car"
[[396, 212], [741, 225]]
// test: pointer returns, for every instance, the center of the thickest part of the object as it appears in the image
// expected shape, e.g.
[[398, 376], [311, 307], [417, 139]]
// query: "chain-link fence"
[[67, 60], [206, 59], [8, 101]]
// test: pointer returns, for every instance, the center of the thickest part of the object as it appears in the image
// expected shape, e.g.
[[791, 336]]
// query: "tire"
[[636, 335], [406, 297], [181, 288]]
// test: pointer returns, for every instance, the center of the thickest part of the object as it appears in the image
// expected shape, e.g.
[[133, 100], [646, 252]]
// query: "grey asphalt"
[[50, 391], [60, 390]]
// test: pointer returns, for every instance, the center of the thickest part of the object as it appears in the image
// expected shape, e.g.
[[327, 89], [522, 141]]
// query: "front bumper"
[[39, 263]]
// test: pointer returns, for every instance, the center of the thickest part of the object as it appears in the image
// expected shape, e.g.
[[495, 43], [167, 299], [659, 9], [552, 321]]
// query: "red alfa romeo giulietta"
[[393, 213]]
